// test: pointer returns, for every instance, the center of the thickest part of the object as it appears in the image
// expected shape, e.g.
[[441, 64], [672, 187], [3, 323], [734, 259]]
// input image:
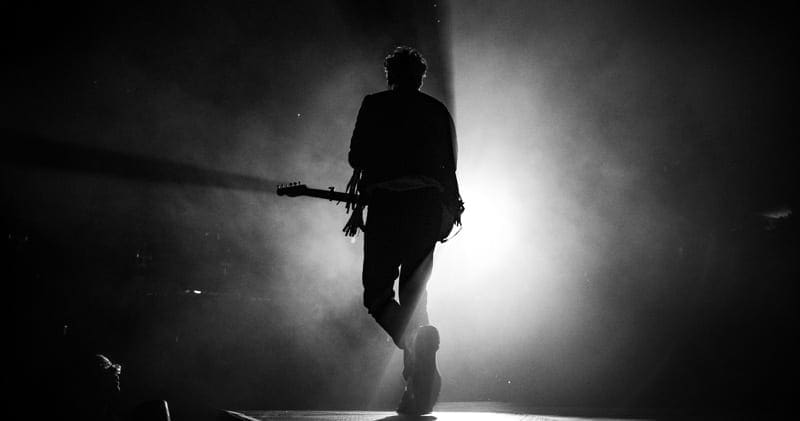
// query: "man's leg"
[[379, 274], [420, 236], [382, 259], [413, 294], [423, 381], [420, 372], [414, 303]]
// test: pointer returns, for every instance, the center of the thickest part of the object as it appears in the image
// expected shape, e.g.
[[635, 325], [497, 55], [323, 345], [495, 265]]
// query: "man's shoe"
[[425, 382], [407, 405]]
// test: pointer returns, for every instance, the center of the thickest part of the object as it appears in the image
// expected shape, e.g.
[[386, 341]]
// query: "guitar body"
[[448, 222]]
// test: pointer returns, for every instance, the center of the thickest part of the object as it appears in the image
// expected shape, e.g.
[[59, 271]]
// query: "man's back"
[[402, 133]]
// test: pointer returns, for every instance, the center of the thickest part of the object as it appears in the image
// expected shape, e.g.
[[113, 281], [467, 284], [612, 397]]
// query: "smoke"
[[288, 252], [589, 145], [603, 148], [252, 91]]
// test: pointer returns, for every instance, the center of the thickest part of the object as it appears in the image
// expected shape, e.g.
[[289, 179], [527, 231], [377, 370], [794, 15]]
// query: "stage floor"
[[456, 411]]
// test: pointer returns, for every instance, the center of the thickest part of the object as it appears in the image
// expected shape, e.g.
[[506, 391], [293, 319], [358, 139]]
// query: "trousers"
[[401, 232]]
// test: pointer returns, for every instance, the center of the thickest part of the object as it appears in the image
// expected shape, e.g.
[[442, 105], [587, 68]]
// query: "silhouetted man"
[[403, 155]]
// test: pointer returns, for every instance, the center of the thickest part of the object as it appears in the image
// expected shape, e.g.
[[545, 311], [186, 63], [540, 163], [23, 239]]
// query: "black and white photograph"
[[386, 210]]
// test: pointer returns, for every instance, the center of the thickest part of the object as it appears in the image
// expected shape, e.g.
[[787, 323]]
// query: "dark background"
[[628, 170]]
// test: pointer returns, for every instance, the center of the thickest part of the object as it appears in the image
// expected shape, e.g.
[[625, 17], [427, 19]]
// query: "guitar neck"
[[331, 195]]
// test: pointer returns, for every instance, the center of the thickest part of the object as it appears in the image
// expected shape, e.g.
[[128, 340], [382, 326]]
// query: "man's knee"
[[378, 281], [376, 301]]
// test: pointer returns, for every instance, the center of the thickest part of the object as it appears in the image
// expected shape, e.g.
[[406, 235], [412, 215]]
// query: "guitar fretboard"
[[331, 195]]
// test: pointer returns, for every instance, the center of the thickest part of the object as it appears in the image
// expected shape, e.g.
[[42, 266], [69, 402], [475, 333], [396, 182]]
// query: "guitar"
[[298, 189]]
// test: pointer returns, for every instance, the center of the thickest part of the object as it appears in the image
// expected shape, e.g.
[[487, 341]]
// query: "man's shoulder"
[[382, 96], [431, 100], [379, 95], [418, 96]]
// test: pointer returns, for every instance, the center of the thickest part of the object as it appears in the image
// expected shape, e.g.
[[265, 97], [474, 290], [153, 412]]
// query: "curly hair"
[[405, 66]]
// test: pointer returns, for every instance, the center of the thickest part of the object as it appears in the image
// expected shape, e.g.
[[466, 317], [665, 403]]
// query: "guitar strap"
[[356, 220]]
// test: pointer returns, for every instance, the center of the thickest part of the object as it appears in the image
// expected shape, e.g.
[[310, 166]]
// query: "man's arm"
[[362, 133], [453, 141], [452, 195]]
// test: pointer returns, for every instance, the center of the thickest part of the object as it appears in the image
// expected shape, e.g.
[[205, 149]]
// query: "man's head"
[[405, 68]]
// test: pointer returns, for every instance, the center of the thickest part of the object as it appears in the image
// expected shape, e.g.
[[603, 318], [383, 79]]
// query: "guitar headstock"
[[292, 189]]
